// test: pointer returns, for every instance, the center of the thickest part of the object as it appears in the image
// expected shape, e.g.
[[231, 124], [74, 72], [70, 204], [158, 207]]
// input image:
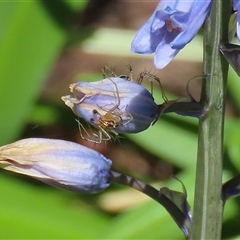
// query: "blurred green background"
[[45, 46]]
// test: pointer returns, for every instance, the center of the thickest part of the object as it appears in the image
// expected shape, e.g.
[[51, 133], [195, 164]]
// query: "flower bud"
[[58, 163], [129, 104]]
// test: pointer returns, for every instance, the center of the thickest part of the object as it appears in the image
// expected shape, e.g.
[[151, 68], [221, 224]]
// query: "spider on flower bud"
[[113, 105]]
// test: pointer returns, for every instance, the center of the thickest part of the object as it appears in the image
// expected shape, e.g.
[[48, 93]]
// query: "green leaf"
[[30, 41], [31, 212], [170, 142]]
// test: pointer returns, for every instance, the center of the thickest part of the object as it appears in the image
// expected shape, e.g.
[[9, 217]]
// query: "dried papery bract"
[[232, 27], [185, 107], [231, 188], [58, 163], [113, 105], [232, 54], [174, 202]]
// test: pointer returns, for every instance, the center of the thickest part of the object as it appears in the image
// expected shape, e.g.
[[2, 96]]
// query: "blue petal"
[[171, 7], [145, 41], [192, 22], [236, 5], [164, 54]]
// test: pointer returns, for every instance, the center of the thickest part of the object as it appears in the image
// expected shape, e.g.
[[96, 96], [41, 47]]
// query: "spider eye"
[[124, 77]]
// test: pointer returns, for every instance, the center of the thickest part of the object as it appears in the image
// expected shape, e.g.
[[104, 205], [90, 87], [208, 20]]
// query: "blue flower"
[[236, 7], [172, 25], [59, 163], [113, 104]]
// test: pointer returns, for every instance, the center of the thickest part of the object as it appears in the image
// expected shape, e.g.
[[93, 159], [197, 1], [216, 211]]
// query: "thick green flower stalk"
[[208, 204]]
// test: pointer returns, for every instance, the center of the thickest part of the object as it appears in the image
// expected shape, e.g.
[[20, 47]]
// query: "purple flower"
[[173, 24], [236, 7], [59, 163], [113, 104]]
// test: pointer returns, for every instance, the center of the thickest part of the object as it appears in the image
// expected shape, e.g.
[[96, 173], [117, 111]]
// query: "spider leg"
[[130, 70], [108, 72], [129, 120], [89, 137], [118, 97], [146, 73], [105, 133]]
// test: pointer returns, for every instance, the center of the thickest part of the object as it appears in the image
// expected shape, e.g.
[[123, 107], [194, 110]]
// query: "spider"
[[106, 123]]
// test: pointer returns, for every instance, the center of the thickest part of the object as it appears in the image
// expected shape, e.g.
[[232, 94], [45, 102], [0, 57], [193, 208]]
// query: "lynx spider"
[[106, 123]]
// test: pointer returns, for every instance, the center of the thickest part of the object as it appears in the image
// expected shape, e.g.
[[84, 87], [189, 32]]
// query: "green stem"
[[208, 205]]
